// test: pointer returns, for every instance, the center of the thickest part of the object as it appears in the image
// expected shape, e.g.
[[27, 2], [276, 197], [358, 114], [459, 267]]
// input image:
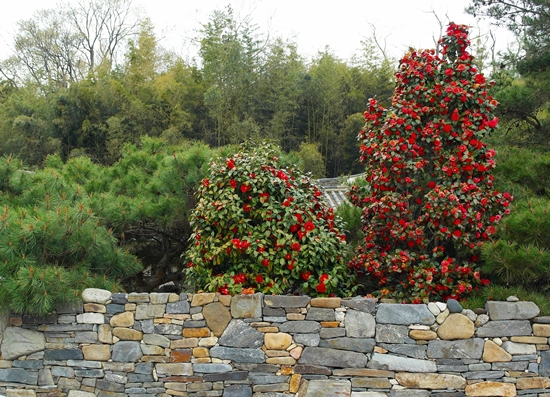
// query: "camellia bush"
[[431, 202], [261, 227]]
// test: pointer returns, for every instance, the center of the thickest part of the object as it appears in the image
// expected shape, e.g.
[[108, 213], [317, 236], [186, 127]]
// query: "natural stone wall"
[[144, 345]]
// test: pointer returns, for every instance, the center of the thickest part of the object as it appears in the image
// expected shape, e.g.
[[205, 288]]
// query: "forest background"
[[92, 80]]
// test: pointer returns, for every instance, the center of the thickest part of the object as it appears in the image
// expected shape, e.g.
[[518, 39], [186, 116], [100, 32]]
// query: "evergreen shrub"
[[261, 227]]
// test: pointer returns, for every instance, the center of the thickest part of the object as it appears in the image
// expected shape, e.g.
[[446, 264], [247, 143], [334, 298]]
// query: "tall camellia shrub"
[[261, 227], [431, 202]]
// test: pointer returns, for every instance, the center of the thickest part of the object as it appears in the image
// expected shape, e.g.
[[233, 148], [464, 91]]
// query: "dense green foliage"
[[260, 226], [76, 224], [245, 88]]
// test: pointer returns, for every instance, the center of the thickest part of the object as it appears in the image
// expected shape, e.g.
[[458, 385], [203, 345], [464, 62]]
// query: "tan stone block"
[[295, 316], [541, 330], [535, 340], [330, 303], [380, 350], [180, 356], [20, 393], [286, 370], [201, 360], [491, 389], [177, 316], [152, 350], [429, 381], [96, 352], [5, 363], [456, 326], [201, 352], [493, 353], [543, 347], [94, 308], [257, 324], [202, 299], [217, 317], [183, 343], [155, 359], [295, 380], [16, 321], [533, 383], [208, 342], [224, 300], [173, 298], [162, 320], [266, 330], [280, 360], [125, 319], [127, 334], [419, 334], [104, 333], [296, 353], [277, 341], [130, 307], [196, 332], [276, 353], [330, 324]]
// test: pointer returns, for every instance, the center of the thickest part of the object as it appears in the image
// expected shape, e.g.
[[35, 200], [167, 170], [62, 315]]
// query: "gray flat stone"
[[18, 375], [498, 329], [240, 334], [359, 324], [454, 306], [308, 339], [247, 306], [126, 351], [413, 351], [511, 310], [325, 388], [544, 366], [332, 358], [286, 301], [464, 348], [238, 355], [367, 305], [60, 355], [300, 327], [180, 307], [19, 342], [265, 379], [390, 333], [483, 374], [392, 313], [320, 314], [96, 295], [169, 329], [398, 363], [329, 333], [237, 391], [359, 345]]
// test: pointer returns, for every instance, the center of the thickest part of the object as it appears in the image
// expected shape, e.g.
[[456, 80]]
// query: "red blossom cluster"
[[258, 226], [431, 202]]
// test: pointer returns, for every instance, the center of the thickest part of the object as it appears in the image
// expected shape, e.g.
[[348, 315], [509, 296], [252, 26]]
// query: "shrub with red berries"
[[260, 227], [431, 202]]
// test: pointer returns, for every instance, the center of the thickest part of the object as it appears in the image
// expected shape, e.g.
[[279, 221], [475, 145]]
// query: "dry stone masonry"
[[209, 345]]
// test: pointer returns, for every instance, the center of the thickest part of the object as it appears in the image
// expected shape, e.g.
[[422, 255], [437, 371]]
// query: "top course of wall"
[[141, 345]]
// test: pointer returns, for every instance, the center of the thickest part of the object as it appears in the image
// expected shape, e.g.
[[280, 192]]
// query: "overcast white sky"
[[312, 24]]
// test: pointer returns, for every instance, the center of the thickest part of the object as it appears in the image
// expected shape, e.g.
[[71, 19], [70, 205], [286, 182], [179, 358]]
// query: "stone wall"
[[145, 345]]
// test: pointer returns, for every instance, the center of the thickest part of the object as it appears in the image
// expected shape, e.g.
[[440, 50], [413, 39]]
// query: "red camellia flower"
[[295, 247], [245, 188], [223, 290], [309, 226], [239, 278], [259, 279], [321, 288], [233, 183], [230, 164], [264, 197], [306, 275], [457, 233], [265, 262], [246, 208], [206, 182]]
